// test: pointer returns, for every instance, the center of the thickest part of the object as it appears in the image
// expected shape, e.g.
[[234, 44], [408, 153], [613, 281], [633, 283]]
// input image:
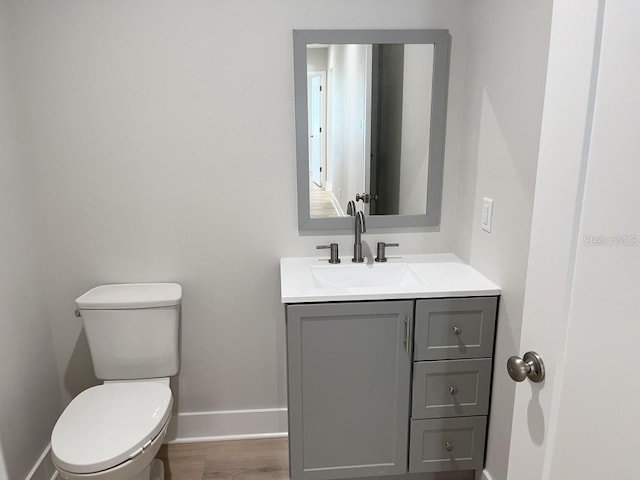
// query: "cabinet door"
[[349, 388]]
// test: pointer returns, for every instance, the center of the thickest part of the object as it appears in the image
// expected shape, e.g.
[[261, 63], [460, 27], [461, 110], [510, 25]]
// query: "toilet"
[[114, 430]]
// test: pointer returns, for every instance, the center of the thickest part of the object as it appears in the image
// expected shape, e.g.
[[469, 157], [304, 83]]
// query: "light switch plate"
[[487, 214]]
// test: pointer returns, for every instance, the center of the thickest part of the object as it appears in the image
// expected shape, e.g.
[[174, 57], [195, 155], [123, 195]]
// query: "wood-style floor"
[[262, 459], [320, 204]]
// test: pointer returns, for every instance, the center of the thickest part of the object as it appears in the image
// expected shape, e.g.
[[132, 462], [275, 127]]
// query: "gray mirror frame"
[[441, 40]]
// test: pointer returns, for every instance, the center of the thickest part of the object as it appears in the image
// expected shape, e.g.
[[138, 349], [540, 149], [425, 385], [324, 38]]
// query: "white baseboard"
[[337, 206], [227, 425], [486, 475], [43, 468], [199, 427]]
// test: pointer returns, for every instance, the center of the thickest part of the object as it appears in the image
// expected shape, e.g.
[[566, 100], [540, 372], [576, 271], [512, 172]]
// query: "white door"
[[582, 301], [315, 95]]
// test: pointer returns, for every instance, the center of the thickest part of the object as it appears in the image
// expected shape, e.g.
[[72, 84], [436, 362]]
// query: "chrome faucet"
[[361, 227]]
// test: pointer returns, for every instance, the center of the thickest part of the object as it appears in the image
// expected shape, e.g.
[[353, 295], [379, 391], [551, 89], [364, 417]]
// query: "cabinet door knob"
[[456, 330], [453, 390], [448, 446]]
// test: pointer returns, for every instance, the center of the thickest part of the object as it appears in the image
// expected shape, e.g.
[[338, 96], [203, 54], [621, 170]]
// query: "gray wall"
[[30, 398], [161, 140], [505, 78]]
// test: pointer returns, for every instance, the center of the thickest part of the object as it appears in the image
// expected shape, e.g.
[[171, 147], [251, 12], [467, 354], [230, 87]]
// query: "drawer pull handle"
[[456, 330], [448, 446], [407, 334], [453, 390]]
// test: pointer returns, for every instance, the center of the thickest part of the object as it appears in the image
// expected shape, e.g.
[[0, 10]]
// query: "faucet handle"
[[381, 251], [366, 197], [334, 252]]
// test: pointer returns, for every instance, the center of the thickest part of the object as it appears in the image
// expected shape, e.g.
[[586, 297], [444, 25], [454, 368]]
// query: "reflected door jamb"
[[317, 120]]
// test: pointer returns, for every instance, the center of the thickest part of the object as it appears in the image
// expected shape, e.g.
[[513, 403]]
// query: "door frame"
[[323, 120]]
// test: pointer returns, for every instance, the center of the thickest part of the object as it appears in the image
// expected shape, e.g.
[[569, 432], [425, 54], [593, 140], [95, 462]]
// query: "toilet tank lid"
[[131, 295]]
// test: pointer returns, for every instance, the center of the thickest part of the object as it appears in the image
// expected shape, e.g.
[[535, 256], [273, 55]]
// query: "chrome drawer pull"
[[456, 330], [448, 446], [453, 390]]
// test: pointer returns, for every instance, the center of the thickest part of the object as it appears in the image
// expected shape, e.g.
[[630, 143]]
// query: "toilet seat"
[[109, 424]]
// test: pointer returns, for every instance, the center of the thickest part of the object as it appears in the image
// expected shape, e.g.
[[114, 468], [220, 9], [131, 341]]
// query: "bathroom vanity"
[[389, 367]]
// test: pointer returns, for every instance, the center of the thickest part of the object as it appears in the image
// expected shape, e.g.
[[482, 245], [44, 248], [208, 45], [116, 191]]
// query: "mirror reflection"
[[368, 127], [370, 115]]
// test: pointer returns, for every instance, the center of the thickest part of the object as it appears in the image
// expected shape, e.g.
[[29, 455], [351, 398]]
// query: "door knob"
[[531, 365]]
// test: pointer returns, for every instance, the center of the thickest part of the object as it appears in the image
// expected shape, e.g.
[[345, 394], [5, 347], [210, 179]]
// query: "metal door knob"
[[531, 365]]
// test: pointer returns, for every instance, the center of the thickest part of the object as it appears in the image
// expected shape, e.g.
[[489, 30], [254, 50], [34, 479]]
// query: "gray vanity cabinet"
[[375, 392], [349, 370]]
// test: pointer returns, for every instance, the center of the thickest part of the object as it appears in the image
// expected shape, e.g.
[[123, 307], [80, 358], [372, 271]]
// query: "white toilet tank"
[[132, 329]]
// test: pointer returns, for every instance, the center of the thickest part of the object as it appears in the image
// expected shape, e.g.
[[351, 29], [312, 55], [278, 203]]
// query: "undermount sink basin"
[[364, 275], [311, 279]]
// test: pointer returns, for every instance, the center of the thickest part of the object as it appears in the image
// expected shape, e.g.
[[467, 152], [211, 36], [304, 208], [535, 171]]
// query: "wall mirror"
[[370, 124]]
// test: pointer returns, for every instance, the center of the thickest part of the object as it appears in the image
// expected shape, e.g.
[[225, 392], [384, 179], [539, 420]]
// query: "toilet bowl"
[[112, 431]]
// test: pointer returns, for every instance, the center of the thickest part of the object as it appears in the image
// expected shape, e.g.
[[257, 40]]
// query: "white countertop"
[[313, 279]]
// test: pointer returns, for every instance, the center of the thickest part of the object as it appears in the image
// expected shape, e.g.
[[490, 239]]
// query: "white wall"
[[348, 120], [505, 77], [317, 59], [143, 119], [30, 398], [416, 93], [161, 140], [4, 475]]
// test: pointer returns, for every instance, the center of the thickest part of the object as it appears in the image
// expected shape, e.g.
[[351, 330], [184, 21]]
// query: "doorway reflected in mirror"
[[368, 128]]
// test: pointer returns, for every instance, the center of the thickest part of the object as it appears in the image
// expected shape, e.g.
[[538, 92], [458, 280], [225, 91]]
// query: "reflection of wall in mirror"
[[416, 118], [317, 59], [348, 68], [346, 147]]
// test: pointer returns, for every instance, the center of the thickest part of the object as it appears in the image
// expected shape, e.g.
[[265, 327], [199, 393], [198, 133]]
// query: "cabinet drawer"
[[447, 444], [451, 388], [454, 328]]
